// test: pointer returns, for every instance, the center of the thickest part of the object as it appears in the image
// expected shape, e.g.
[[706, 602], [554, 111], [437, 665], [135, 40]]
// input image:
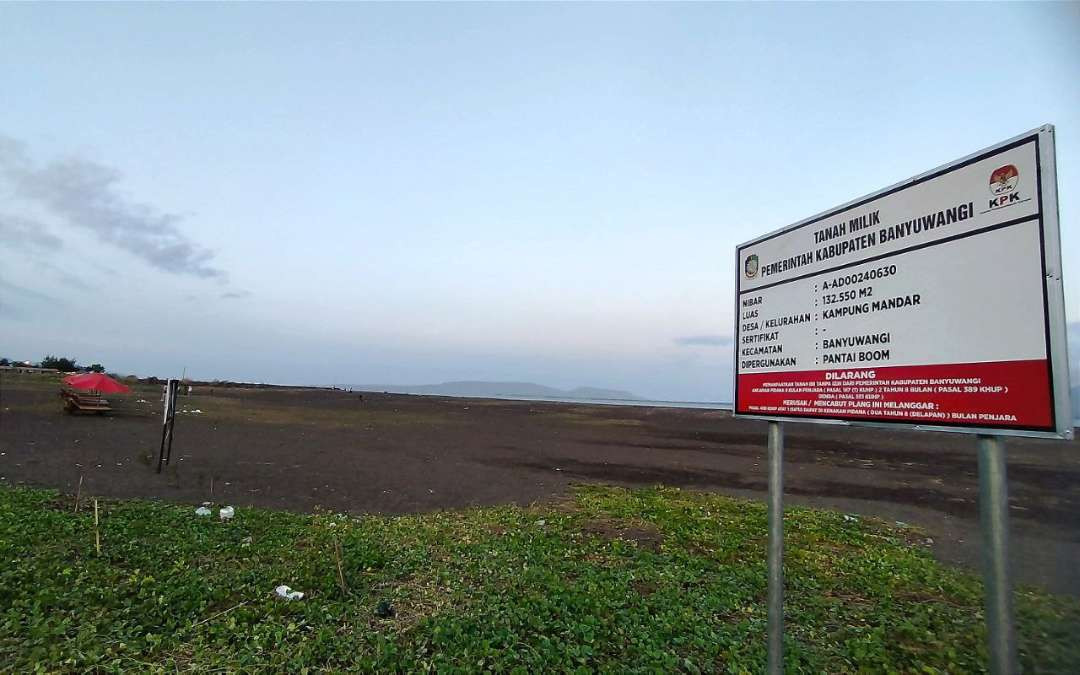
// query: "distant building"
[[17, 368]]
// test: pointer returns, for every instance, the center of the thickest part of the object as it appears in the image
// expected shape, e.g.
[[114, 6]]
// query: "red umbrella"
[[96, 382]]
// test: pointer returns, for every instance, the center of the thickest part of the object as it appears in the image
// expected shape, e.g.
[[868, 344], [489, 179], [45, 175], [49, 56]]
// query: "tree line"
[[62, 363]]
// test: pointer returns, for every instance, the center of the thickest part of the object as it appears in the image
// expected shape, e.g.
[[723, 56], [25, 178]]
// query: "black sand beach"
[[299, 449]]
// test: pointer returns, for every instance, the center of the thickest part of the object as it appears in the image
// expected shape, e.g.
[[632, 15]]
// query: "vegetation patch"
[[614, 579]]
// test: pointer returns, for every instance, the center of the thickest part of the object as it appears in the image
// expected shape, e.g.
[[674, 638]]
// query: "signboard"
[[936, 303]]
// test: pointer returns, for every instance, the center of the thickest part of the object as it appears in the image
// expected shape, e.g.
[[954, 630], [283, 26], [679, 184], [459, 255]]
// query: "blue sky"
[[424, 192]]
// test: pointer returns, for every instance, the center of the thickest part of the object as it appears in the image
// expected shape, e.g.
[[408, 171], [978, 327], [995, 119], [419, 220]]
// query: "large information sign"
[[934, 303]]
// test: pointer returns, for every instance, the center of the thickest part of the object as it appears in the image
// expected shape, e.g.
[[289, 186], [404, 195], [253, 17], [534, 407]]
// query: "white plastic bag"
[[226, 513], [202, 511], [284, 591]]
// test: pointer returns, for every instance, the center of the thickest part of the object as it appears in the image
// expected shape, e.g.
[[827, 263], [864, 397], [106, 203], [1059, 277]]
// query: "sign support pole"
[[994, 522], [169, 419], [776, 548]]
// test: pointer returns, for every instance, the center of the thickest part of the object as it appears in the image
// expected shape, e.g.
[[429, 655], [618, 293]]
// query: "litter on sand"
[[202, 511], [288, 593], [226, 513]]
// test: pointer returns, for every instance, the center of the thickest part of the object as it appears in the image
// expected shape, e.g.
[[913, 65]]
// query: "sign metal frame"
[[1053, 293]]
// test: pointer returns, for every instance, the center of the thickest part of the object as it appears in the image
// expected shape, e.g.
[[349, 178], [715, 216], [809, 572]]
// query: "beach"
[[307, 449]]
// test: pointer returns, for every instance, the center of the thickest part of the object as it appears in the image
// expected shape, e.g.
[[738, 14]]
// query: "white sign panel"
[[935, 303]]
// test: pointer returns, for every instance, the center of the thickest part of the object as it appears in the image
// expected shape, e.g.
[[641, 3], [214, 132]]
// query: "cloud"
[[704, 340], [11, 290], [25, 234], [84, 194], [65, 277], [235, 295]]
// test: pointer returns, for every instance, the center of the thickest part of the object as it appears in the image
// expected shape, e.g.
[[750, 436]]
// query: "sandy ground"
[[299, 449]]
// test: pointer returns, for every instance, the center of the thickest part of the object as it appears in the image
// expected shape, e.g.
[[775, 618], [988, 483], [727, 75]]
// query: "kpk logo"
[[1004, 179], [1003, 182], [750, 267]]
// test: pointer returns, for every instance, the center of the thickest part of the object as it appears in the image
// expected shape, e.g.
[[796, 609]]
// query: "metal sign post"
[[994, 523], [776, 548], [168, 421]]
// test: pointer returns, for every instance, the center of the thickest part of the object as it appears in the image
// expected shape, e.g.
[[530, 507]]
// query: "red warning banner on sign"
[[1002, 393]]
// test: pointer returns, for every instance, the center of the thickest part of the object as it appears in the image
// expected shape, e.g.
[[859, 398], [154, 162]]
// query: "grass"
[[612, 580]]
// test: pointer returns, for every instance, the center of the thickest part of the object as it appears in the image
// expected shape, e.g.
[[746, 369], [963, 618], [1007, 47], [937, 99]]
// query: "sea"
[[706, 405]]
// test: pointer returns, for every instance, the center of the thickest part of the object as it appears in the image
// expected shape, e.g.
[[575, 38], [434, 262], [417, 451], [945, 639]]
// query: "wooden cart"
[[84, 402]]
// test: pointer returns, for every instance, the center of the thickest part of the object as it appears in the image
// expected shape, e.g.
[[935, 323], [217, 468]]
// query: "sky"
[[415, 193]]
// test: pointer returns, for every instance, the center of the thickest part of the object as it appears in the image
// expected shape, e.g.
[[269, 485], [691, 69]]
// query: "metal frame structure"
[[993, 484]]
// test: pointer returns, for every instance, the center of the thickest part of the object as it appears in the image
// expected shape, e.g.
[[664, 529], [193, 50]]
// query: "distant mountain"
[[498, 389]]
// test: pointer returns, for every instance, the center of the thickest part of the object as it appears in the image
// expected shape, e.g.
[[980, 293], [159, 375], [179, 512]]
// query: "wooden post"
[[340, 573], [97, 529]]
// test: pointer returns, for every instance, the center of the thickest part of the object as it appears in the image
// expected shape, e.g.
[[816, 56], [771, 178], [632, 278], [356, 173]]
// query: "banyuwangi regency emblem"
[[750, 267]]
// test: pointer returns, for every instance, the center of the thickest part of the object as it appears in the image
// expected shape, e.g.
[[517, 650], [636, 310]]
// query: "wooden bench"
[[76, 402]]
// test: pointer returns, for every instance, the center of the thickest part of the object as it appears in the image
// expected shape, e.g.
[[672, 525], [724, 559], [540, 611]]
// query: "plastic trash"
[[284, 591], [226, 513], [202, 511]]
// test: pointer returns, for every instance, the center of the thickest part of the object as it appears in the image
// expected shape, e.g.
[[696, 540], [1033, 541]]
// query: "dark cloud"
[[25, 234], [704, 340], [84, 194]]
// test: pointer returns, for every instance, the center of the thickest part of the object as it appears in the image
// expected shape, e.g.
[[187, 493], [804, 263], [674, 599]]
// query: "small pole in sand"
[[776, 549], [211, 488], [97, 529], [78, 494], [994, 523]]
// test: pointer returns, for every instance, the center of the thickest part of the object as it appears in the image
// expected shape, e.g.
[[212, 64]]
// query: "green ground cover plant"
[[610, 580]]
